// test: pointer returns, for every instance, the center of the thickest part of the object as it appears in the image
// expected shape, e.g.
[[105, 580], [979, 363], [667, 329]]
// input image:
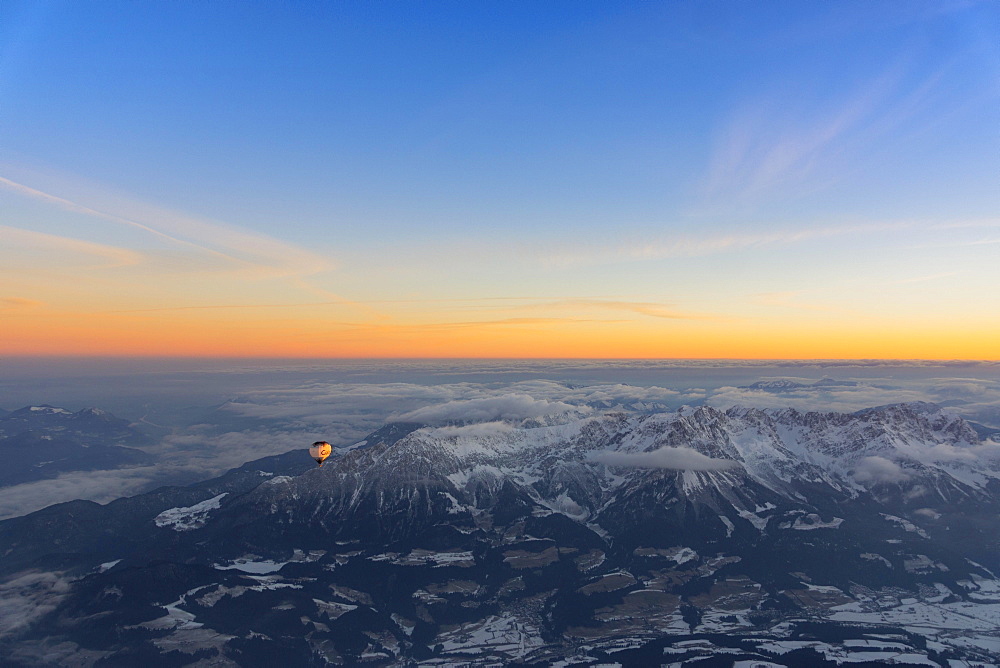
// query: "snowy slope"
[[766, 537], [741, 462]]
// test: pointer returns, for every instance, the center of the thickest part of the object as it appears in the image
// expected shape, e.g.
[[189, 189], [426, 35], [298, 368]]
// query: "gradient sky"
[[500, 179]]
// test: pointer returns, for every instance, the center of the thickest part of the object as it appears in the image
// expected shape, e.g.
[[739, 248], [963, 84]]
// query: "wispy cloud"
[[18, 303], [79, 208], [402, 328], [782, 144], [232, 248], [512, 304], [651, 309], [787, 300], [698, 245], [211, 307], [948, 234], [924, 279], [193, 245], [984, 223], [771, 144], [112, 256], [960, 244]]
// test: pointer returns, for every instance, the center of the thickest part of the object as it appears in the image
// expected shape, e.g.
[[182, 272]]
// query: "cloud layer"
[[274, 409], [505, 407], [679, 459], [873, 470]]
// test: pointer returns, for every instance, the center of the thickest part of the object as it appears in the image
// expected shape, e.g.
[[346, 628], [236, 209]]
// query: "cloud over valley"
[[679, 459], [260, 411]]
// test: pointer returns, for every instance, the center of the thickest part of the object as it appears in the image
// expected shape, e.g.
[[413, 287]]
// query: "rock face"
[[751, 535]]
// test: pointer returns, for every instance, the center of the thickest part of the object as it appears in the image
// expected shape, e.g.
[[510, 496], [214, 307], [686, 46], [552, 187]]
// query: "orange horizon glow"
[[129, 336], [543, 194]]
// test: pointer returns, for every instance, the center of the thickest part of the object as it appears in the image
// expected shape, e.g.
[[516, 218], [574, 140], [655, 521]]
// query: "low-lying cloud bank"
[[677, 459], [322, 403], [28, 596], [974, 399], [477, 430], [873, 470], [197, 454], [513, 407], [271, 416]]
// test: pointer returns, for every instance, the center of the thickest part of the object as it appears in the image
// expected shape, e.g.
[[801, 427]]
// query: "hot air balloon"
[[319, 451]]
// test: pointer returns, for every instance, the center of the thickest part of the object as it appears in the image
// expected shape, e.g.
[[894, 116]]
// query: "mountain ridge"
[[44, 441], [614, 535]]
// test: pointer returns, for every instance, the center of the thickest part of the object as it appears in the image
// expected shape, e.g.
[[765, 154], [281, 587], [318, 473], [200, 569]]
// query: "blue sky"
[[706, 158]]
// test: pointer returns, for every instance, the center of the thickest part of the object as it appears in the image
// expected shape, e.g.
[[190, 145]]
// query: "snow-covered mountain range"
[[760, 535]]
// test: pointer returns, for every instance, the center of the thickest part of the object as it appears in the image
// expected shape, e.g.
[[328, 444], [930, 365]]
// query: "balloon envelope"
[[319, 451]]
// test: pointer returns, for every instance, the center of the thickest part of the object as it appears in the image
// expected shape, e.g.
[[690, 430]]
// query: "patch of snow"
[[213, 597], [812, 521], [824, 589], [590, 560], [980, 566], [278, 480], [333, 608], [921, 563], [871, 556], [758, 522], [785, 646], [507, 636], [923, 618], [982, 589], [455, 508], [907, 525], [177, 618], [190, 517], [307, 557], [567, 506], [678, 554], [463, 559], [880, 645], [943, 592], [247, 565], [405, 624], [420, 557]]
